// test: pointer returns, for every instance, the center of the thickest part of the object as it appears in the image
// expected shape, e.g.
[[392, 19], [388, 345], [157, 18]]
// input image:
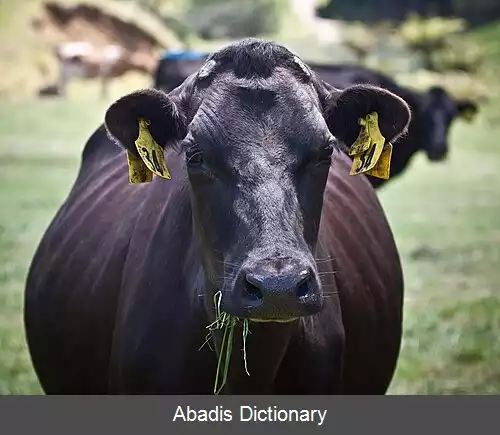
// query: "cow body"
[[117, 292]]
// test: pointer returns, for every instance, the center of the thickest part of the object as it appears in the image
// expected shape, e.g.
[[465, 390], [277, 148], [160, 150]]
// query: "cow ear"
[[144, 123], [467, 109], [150, 108], [346, 108]]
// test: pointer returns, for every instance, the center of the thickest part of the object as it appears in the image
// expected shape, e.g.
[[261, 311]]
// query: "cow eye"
[[194, 156], [327, 149]]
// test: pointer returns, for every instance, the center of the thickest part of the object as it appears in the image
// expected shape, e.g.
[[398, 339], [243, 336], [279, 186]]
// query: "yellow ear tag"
[[362, 143], [468, 115], [138, 172], [371, 148], [383, 166], [150, 152]]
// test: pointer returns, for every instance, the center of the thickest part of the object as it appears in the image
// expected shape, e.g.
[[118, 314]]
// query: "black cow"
[[432, 112], [260, 209], [175, 66]]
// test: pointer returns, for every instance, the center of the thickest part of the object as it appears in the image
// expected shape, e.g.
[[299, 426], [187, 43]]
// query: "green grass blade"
[[221, 356], [245, 334]]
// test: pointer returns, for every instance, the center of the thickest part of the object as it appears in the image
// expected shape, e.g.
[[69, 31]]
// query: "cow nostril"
[[303, 289], [252, 291], [303, 285]]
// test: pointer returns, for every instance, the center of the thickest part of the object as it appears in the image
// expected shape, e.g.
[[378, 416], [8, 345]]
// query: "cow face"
[[438, 111], [258, 131]]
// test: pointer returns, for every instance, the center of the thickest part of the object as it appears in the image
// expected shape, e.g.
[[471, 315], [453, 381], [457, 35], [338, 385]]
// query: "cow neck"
[[266, 346], [415, 130]]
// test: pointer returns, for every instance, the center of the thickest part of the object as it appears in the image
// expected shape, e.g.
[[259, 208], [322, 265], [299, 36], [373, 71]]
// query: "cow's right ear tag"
[[150, 152]]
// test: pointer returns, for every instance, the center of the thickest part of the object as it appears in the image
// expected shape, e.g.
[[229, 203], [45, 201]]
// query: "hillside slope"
[[29, 31]]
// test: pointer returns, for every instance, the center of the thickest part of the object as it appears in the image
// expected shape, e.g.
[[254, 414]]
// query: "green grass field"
[[446, 219]]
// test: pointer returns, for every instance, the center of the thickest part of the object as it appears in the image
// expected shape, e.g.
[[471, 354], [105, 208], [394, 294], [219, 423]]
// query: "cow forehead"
[[236, 116], [245, 108], [263, 97], [256, 122], [282, 88]]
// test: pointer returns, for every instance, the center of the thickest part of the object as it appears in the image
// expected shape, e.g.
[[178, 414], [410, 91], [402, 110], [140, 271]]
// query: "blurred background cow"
[[82, 59], [442, 56]]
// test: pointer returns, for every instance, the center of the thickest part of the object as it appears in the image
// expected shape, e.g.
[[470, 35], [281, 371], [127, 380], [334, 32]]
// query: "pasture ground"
[[446, 219]]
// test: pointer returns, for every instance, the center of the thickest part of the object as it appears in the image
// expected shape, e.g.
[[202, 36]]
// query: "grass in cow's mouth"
[[226, 323]]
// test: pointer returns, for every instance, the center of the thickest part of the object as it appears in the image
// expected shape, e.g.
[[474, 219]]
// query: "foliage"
[[459, 84], [213, 19], [459, 54], [475, 11], [162, 7], [170, 12], [487, 38], [421, 33], [351, 10], [360, 39], [425, 36]]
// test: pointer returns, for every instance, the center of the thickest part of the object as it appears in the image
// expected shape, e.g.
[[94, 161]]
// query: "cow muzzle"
[[275, 290], [438, 152]]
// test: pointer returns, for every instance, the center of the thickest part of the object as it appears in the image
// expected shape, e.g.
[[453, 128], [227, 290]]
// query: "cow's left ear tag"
[[150, 152], [368, 149], [138, 172], [363, 141]]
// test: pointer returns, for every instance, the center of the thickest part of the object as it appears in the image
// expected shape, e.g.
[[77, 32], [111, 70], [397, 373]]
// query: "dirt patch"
[[63, 22], [27, 46], [89, 23]]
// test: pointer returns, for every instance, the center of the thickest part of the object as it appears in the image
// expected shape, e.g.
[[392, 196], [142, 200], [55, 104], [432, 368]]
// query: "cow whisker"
[[324, 258], [324, 274], [322, 261], [226, 263]]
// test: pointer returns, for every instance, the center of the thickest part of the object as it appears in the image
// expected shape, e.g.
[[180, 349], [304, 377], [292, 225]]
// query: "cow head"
[[257, 130], [438, 111]]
